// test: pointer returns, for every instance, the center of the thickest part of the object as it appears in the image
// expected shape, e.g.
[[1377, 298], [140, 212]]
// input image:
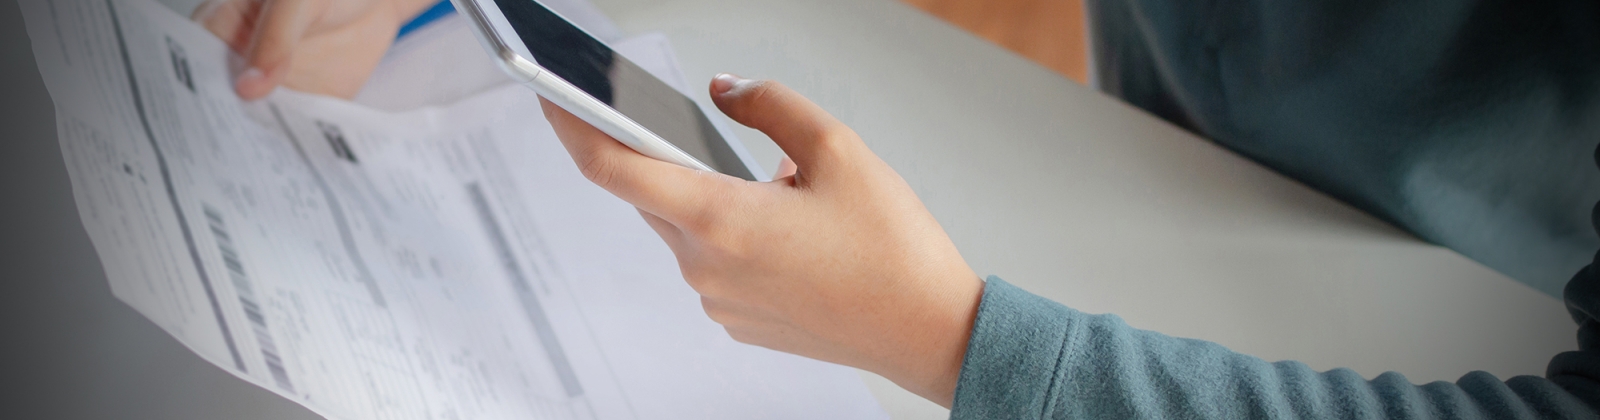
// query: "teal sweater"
[[1031, 358], [1467, 122], [1470, 123]]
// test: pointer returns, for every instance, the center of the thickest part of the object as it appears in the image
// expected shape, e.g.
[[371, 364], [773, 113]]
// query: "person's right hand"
[[835, 260], [328, 47]]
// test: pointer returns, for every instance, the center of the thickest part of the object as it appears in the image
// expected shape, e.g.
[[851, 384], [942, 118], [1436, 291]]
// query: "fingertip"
[[276, 31], [724, 82], [253, 84], [730, 93], [802, 129]]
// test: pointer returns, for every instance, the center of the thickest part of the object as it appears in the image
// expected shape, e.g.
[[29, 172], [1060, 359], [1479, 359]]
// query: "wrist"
[[933, 340]]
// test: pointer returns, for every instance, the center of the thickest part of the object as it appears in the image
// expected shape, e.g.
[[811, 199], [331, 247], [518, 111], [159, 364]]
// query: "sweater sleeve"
[[1031, 358]]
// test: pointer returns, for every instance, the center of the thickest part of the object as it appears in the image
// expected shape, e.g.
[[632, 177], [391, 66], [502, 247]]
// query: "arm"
[[1033, 358], [837, 260]]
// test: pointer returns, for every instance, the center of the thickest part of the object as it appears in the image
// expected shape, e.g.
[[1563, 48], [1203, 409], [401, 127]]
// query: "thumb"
[[278, 28], [228, 20], [807, 133]]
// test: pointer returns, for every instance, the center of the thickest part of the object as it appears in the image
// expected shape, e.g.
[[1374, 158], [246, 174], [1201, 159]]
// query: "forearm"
[[1032, 358]]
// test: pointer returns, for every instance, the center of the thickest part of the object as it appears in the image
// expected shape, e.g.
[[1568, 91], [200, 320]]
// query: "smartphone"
[[574, 70]]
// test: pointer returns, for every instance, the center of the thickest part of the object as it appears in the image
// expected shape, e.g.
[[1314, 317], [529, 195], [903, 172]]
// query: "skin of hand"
[[327, 47], [836, 260]]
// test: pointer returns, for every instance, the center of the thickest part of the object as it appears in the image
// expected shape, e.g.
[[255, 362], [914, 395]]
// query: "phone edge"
[[569, 97]]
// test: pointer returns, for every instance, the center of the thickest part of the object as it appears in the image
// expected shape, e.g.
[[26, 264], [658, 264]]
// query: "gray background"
[[71, 350]]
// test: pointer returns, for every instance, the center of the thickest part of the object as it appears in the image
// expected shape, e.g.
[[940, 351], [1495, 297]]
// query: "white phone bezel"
[[494, 30]]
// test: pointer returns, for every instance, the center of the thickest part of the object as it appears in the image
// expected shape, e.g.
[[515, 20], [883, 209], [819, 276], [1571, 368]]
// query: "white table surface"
[[1056, 188]]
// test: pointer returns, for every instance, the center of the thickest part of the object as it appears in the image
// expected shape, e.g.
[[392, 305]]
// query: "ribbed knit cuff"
[[1013, 357]]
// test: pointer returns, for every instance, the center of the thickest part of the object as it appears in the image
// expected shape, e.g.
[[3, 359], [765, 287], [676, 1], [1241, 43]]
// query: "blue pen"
[[439, 10]]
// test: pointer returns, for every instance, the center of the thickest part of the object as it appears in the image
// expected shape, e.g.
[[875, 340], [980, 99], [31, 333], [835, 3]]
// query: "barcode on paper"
[[247, 298]]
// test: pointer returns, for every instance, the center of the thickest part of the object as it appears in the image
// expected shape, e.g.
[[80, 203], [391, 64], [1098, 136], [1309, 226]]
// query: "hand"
[[327, 47], [836, 260]]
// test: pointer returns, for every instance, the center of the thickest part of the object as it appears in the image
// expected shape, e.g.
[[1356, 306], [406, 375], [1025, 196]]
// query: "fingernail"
[[724, 82], [250, 76]]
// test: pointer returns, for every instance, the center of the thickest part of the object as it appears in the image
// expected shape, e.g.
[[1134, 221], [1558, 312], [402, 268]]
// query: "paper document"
[[445, 263]]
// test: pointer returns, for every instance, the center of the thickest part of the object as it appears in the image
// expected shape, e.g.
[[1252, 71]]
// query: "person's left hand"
[[327, 47]]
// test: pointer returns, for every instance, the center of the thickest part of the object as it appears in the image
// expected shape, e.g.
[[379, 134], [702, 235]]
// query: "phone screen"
[[569, 52]]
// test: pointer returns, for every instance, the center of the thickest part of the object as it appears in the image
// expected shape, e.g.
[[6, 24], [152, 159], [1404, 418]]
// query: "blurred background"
[[1049, 32]]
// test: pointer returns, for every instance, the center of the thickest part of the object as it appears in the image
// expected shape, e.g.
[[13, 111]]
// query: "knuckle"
[[699, 281], [752, 96], [598, 168], [739, 335], [549, 114], [760, 90], [834, 138], [721, 239], [718, 212], [715, 312], [707, 223]]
